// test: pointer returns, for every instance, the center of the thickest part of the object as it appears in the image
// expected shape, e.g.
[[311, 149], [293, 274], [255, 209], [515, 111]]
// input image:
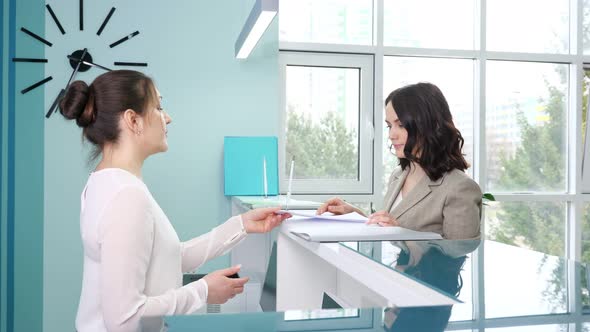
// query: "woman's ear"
[[133, 121]]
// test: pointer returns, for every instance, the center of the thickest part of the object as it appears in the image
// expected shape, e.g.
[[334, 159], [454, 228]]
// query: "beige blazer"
[[449, 206]]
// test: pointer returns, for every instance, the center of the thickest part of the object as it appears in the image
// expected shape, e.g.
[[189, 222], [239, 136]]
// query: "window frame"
[[586, 143], [362, 185], [574, 197]]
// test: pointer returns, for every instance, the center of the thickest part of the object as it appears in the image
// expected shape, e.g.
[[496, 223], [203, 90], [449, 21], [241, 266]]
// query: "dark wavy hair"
[[433, 141]]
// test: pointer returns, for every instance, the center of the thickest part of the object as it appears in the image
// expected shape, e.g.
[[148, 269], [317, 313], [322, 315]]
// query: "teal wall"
[[21, 205], [28, 173], [189, 46], [3, 108], [3, 150]]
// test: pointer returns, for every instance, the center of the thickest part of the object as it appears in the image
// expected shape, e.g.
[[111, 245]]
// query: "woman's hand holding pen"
[[263, 220], [382, 218]]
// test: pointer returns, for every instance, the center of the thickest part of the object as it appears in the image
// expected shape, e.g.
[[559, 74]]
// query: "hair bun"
[[78, 104]]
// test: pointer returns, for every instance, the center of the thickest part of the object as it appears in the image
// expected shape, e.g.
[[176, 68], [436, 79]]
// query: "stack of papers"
[[254, 202], [306, 215], [347, 227]]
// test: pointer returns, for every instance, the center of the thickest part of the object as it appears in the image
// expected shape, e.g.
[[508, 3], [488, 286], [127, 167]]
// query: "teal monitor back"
[[243, 162]]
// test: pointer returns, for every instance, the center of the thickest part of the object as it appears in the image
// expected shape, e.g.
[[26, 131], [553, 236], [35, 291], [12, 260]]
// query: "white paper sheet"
[[326, 230], [303, 214]]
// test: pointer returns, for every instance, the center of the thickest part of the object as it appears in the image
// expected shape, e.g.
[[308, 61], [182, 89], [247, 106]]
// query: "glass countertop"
[[501, 288], [499, 285]]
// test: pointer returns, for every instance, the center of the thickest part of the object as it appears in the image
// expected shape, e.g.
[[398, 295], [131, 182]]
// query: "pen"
[[290, 183], [264, 175]]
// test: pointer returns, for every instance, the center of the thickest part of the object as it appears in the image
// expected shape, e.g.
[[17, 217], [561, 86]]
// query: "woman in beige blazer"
[[429, 191]]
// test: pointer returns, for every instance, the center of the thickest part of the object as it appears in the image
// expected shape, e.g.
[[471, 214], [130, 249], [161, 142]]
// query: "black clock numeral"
[[81, 15], [63, 32], [124, 39], [136, 64], [60, 95], [41, 82], [106, 20], [32, 34], [29, 60]]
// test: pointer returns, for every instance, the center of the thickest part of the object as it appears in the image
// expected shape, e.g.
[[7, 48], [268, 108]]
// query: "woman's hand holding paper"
[[263, 220]]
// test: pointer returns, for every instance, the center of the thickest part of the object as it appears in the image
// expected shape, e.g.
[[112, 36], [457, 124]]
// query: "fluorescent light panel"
[[258, 21]]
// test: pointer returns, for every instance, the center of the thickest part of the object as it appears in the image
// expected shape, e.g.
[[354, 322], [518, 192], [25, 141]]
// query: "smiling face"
[[398, 135]]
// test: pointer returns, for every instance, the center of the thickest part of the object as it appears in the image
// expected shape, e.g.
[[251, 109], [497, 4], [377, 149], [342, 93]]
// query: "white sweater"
[[133, 259]]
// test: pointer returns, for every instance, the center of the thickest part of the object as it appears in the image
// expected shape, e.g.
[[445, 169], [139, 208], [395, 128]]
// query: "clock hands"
[[80, 60], [117, 63], [62, 93], [86, 62]]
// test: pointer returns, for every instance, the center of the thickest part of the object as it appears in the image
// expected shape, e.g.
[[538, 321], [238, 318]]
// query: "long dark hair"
[[433, 141]]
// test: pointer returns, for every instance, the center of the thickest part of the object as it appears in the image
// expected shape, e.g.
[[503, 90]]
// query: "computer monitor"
[[268, 297]]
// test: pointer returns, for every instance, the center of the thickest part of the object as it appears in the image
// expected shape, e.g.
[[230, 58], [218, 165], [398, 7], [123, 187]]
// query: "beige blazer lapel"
[[418, 193], [398, 178]]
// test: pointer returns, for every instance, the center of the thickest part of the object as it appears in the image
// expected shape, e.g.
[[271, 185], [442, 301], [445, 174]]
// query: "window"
[[538, 226], [510, 72], [526, 123], [586, 26], [328, 123], [586, 233], [405, 23], [512, 26], [585, 100], [585, 272], [585, 135], [327, 21]]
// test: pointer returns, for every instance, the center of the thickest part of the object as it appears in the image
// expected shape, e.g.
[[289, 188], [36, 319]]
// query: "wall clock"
[[80, 60]]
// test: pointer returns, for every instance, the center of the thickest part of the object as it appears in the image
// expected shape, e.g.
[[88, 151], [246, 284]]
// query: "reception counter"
[[404, 286]]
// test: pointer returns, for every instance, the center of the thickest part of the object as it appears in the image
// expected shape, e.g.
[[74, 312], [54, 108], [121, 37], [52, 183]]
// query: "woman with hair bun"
[[133, 259], [429, 191]]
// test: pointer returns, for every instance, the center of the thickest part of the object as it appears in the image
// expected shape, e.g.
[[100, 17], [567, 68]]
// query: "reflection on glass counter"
[[438, 264], [498, 288], [534, 328], [539, 280]]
